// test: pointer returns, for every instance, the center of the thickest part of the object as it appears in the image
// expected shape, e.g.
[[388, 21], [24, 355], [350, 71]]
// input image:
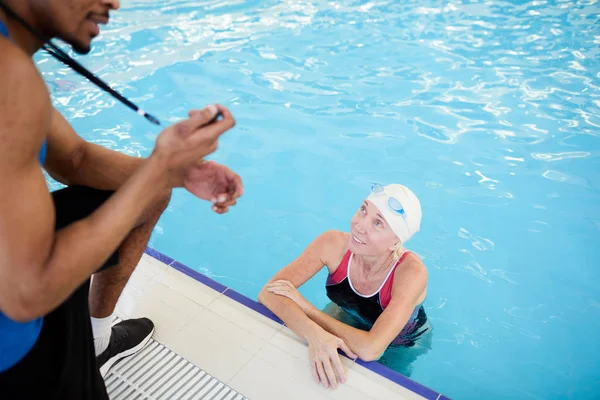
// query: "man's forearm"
[[104, 169], [74, 161], [81, 247]]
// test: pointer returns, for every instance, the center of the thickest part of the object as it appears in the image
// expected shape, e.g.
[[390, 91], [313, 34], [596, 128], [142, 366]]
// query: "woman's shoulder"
[[337, 241], [334, 246], [414, 261], [411, 266], [413, 258], [335, 237]]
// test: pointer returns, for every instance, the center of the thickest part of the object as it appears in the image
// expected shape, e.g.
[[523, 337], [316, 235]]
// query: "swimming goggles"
[[393, 203]]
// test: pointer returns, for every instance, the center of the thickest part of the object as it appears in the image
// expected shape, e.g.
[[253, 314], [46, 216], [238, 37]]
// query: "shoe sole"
[[110, 362]]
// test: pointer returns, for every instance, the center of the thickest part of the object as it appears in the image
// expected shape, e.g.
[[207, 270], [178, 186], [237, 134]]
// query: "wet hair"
[[398, 250]]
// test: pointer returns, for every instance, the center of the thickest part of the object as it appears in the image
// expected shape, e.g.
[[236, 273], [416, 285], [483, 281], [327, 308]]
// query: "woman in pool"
[[378, 284]]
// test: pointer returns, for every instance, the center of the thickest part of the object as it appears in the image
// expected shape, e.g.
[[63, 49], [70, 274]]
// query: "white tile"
[[171, 297], [130, 296], [229, 330], [151, 265], [287, 340], [377, 386], [139, 277], [188, 287], [300, 369], [134, 303], [239, 314], [347, 392], [262, 381], [359, 377], [209, 350], [146, 269]]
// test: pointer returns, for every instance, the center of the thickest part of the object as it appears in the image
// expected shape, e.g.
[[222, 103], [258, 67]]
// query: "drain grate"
[[156, 372]]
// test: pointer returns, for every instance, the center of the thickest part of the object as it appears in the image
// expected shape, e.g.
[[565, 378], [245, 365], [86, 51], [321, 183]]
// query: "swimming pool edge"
[[372, 366]]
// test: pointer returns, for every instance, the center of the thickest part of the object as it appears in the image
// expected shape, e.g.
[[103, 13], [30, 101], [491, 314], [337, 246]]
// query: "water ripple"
[[489, 110]]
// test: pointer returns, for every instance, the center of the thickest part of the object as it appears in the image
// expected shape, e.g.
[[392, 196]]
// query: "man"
[[51, 243]]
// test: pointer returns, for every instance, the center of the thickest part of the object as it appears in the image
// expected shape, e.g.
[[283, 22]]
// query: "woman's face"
[[370, 235]]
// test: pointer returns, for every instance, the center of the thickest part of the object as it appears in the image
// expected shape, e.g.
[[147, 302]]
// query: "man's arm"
[[409, 283], [39, 267], [74, 161]]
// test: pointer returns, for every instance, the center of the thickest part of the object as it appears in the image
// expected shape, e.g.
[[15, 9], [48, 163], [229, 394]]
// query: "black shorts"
[[62, 363]]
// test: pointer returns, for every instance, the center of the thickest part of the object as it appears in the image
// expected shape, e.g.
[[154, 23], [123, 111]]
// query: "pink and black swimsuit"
[[368, 308]]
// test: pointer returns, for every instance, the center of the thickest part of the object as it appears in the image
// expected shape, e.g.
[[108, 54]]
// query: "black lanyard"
[[80, 69]]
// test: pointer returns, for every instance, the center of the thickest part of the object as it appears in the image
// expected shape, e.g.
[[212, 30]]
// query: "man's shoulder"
[[15, 63], [25, 106]]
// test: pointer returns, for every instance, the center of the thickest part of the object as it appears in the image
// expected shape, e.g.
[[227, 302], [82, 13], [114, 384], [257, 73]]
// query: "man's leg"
[[63, 364], [107, 286]]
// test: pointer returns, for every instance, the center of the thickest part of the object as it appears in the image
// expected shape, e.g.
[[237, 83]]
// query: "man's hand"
[[182, 146], [216, 183]]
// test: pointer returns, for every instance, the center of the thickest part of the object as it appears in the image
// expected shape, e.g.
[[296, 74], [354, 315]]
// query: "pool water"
[[488, 110]]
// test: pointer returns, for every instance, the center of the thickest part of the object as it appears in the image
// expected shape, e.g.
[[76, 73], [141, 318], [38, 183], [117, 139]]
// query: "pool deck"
[[239, 342]]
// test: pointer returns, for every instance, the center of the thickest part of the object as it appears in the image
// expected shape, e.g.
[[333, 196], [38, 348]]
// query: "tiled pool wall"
[[373, 366]]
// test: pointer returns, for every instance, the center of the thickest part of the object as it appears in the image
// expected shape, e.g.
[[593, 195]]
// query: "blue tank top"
[[18, 338]]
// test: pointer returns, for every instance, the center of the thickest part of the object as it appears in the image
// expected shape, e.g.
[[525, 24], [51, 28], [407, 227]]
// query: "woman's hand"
[[326, 365], [287, 289]]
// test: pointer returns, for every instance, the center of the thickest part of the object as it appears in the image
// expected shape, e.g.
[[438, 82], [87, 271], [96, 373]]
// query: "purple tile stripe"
[[199, 277], [248, 302], [159, 256], [256, 306], [400, 379]]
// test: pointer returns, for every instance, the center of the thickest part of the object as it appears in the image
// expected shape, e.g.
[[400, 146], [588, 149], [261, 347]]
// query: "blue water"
[[489, 111]]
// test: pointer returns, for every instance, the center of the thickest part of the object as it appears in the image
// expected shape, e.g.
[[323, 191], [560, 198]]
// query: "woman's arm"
[[298, 271], [322, 344], [409, 284]]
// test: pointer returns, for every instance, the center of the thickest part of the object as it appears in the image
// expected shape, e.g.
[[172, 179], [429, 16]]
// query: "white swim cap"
[[400, 207]]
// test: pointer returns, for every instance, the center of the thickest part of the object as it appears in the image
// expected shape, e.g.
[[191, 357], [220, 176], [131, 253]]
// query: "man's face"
[[76, 22]]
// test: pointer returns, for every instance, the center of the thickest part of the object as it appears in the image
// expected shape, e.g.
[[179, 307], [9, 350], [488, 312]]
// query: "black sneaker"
[[126, 338]]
